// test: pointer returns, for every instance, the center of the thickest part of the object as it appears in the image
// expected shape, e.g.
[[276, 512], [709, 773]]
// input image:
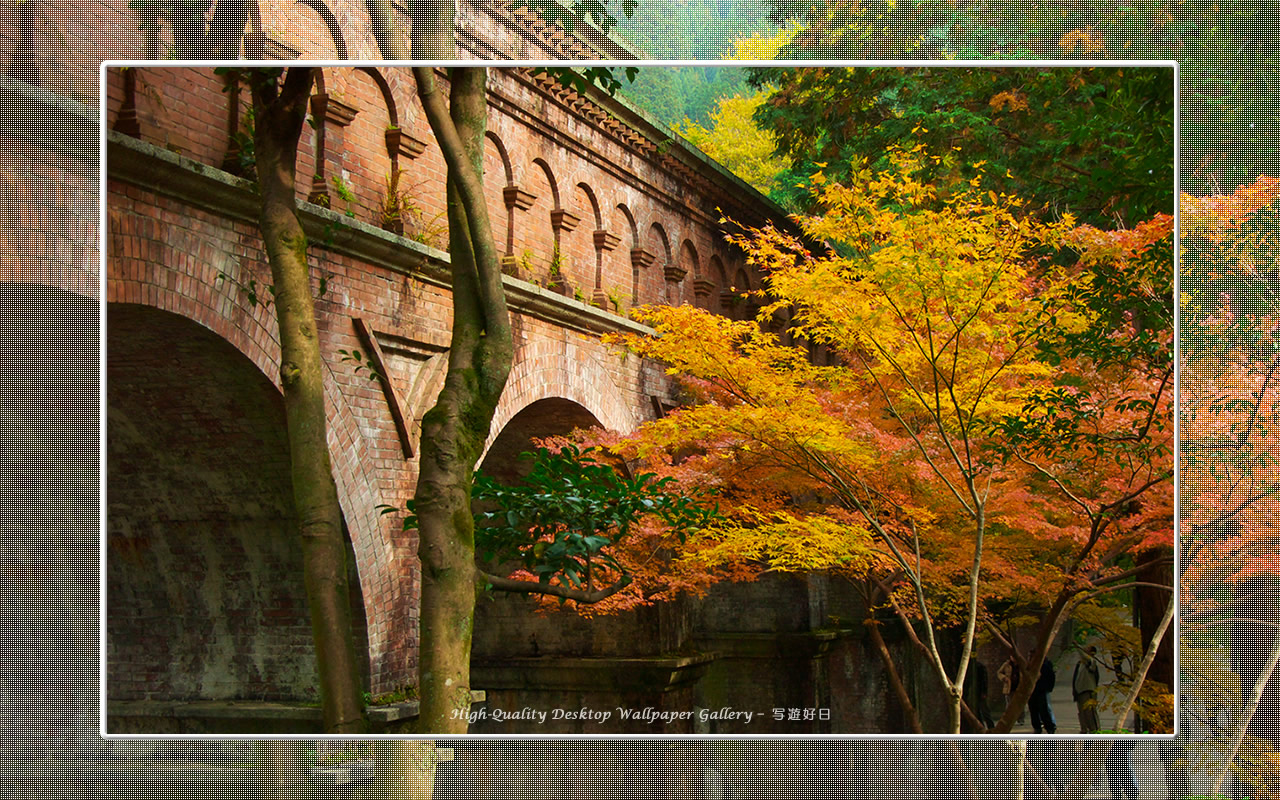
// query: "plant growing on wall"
[[345, 194], [397, 205], [557, 280]]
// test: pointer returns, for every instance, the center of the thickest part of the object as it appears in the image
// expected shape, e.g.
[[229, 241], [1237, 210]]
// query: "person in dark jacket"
[[1041, 714]]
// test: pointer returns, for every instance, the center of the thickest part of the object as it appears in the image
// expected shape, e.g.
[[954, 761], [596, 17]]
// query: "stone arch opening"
[[205, 595], [550, 416]]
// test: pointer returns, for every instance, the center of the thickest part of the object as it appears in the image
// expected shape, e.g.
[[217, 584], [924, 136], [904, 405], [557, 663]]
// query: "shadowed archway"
[[205, 597]]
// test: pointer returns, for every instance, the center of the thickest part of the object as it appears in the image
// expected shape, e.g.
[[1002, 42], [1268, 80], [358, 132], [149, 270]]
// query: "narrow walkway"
[[1066, 747]]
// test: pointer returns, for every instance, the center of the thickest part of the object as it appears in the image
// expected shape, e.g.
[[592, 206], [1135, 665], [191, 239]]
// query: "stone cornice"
[[209, 188], [63, 125], [730, 198], [589, 40], [666, 150]]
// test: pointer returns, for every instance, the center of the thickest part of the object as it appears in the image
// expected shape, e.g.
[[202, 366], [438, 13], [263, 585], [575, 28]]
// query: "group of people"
[[1084, 690]]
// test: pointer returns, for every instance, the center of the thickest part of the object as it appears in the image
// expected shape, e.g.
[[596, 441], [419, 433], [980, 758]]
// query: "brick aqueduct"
[[206, 618]]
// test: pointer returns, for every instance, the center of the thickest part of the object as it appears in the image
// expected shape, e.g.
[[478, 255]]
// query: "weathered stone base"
[[589, 695]]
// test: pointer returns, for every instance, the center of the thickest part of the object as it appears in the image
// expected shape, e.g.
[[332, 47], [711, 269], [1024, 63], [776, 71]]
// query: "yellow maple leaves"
[[1088, 39]]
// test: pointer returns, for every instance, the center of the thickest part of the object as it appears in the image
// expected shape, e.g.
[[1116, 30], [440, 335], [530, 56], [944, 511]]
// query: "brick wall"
[[581, 178]]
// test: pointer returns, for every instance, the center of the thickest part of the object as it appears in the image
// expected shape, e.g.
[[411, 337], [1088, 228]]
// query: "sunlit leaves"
[[891, 463]]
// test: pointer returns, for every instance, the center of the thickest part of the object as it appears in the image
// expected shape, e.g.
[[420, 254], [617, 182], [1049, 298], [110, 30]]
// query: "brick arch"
[[364, 156], [592, 204], [331, 23], [550, 416], [501, 214], [629, 225], [541, 163], [504, 157], [660, 243], [716, 269], [653, 282], [201, 529], [218, 308], [689, 259], [544, 371], [532, 230], [388, 99]]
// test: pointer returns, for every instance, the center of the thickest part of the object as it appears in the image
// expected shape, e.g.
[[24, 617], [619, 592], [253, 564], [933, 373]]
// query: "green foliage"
[[1229, 75], [250, 290], [569, 14], [692, 29], [398, 695], [410, 520], [345, 193], [570, 510], [738, 143], [362, 362], [1127, 302], [582, 78], [673, 94], [1095, 142]]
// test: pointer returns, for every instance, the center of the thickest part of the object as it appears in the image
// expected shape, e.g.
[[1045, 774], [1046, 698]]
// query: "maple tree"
[[1230, 417], [975, 440]]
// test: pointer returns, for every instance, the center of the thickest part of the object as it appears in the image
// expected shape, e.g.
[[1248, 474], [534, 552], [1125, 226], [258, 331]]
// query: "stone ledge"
[[66, 126], [343, 774], [660, 674], [209, 188], [806, 644], [214, 709], [394, 712]]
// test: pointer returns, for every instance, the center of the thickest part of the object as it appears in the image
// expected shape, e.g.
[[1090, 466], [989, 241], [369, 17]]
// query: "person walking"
[[1084, 690], [1041, 712], [1010, 674]]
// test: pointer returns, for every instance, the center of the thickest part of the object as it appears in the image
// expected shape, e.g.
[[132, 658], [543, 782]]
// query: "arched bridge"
[[595, 209]]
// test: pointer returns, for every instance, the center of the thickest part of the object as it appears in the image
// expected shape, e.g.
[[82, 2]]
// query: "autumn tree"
[[893, 465], [732, 136], [1230, 421]]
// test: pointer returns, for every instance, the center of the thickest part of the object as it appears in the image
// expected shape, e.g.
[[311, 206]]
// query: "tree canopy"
[[1092, 141], [933, 406]]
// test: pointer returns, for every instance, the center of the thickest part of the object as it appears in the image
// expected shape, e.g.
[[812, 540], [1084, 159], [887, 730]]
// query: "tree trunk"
[[455, 429], [1095, 753], [281, 772], [1019, 748], [403, 768], [279, 112], [895, 678], [1249, 708], [1149, 604]]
